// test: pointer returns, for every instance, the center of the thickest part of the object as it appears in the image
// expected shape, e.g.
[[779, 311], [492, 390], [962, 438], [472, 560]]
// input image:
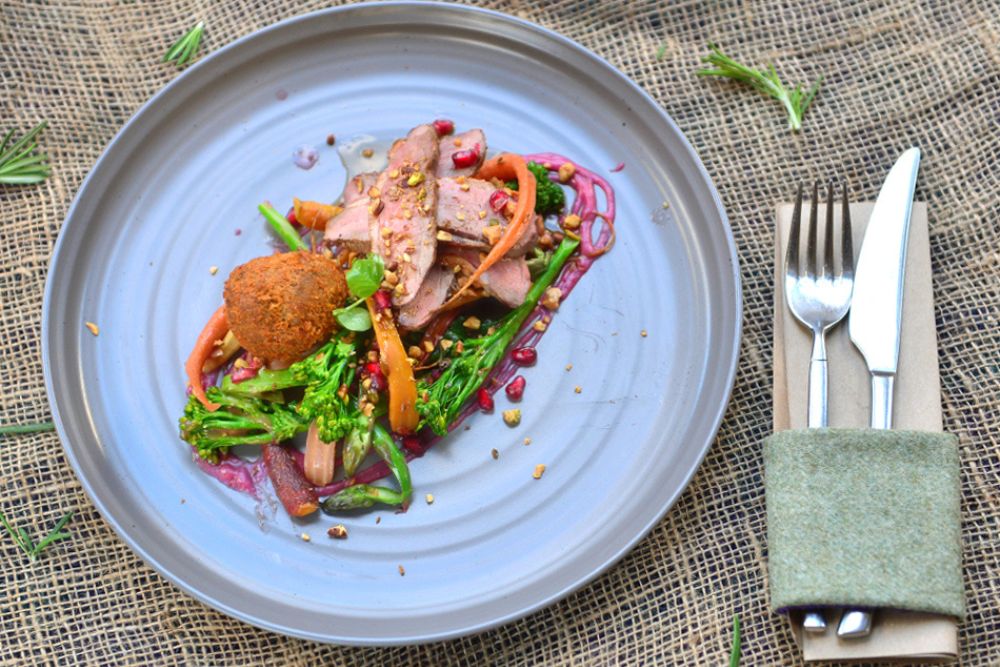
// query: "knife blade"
[[877, 310], [877, 304]]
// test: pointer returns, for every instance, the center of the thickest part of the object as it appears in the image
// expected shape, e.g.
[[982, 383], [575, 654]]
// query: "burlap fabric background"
[[897, 73]]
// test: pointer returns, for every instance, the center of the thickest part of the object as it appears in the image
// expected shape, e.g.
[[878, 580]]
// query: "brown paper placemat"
[[901, 73]]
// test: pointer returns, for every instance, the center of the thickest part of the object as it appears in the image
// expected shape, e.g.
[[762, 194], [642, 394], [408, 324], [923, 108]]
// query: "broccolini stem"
[[282, 227], [360, 496], [386, 448]]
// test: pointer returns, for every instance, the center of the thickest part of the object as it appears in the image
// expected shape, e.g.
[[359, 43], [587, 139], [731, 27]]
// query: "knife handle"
[[818, 416], [882, 400]]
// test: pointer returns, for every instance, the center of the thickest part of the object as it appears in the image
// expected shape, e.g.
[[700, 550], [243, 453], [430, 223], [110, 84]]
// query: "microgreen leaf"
[[734, 653], [354, 318], [27, 545], [184, 49], [14, 429], [365, 276], [19, 163], [795, 101]]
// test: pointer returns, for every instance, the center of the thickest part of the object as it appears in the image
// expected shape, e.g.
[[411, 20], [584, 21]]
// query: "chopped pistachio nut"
[[566, 171], [539, 471], [338, 532], [578, 389], [643, 333], [571, 221], [492, 234], [428, 346], [495, 453], [402, 571], [415, 352], [416, 178], [446, 344], [92, 328], [368, 152], [429, 498], [539, 326], [472, 322], [305, 537], [527, 441], [213, 270], [444, 236], [569, 367], [551, 298], [512, 417]]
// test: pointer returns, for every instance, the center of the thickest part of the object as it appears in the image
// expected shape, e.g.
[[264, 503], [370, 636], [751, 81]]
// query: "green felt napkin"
[[864, 518]]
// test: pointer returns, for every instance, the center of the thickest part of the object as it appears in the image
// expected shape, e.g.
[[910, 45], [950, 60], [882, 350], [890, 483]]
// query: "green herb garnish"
[[28, 546], [662, 51], [19, 163], [734, 653], [184, 49], [16, 429], [363, 279], [795, 101]]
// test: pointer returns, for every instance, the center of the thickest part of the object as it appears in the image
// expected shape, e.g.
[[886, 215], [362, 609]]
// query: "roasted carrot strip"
[[505, 166], [216, 329], [293, 490], [403, 415], [314, 214]]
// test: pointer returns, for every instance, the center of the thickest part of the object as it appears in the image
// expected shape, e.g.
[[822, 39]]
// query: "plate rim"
[[732, 358]]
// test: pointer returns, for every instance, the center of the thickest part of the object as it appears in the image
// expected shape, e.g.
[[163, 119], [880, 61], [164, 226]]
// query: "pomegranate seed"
[[466, 158], [290, 216], [374, 372], [443, 126], [515, 390], [524, 356], [413, 444], [382, 299], [485, 400], [498, 200]]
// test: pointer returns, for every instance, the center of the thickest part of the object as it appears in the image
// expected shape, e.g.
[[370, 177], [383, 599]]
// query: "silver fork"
[[819, 299]]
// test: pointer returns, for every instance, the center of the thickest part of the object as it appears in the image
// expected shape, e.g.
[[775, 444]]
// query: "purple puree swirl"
[[244, 476]]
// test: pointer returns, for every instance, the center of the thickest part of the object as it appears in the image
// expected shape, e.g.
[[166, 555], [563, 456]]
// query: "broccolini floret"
[[241, 420], [326, 376], [549, 197]]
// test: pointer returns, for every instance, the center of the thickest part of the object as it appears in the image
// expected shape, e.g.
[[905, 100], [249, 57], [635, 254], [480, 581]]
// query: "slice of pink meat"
[[351, 228], [461, 142], [419, 312], [405, 200], [358, 187], [508, 280], [464, 211]]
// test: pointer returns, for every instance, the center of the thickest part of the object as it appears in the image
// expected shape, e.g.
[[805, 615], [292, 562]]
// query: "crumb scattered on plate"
[[92, 328], [539, 471]]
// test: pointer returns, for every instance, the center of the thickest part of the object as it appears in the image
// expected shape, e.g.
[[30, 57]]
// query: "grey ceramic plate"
[[163, 204]]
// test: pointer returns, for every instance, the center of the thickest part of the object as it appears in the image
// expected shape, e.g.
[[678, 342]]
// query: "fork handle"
[[818, 410]]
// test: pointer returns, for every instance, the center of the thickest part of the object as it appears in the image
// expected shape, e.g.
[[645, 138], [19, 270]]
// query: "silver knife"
[[877, 308]]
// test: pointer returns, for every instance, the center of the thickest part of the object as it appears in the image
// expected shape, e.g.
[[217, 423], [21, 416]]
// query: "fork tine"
[[847, 243], [792, 252], [828, 242], [811, 243]]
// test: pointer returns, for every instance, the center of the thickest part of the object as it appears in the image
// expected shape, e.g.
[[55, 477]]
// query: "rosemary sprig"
[[16, 429], [28, 546], [184, 49], [19, 163], [734, 653], [795, 101]]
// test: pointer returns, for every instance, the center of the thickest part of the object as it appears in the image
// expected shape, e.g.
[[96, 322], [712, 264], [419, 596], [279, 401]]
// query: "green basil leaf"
[[365, 276], [354, 319]]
